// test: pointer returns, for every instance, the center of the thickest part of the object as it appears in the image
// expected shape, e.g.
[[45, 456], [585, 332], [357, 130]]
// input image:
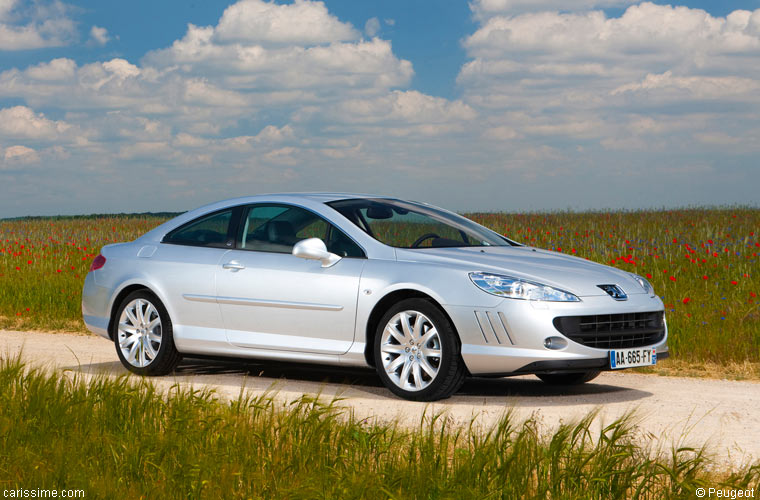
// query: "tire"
[[418, 364], [142, 334], [569, 378]]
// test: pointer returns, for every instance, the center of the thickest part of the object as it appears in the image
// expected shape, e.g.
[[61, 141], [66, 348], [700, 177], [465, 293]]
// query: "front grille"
[[613, 331]]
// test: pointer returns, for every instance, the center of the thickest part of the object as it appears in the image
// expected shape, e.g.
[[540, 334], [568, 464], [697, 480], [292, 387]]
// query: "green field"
[[120, 438], [702, 262]]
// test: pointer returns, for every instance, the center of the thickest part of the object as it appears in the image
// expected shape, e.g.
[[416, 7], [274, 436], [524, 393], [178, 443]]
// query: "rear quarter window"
[[207, 231]]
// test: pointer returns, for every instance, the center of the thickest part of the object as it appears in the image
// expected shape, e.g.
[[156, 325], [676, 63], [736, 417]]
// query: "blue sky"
[[481, 105]]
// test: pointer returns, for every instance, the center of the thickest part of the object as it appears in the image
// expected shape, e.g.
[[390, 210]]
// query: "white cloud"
[[99, 36], [301, 23], [405, 106], [271, 134], [647, 29], [190, 141], [200, 91], [701, 87], [372, 27], [22, 122], [358, 64], [484, 9], [557, 67], [36, 25], [20, 154], [57, 69], [215, 76], [152, 150]]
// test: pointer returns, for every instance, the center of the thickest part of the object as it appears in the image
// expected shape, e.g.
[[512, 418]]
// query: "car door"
[[271, 299], [185, 264]]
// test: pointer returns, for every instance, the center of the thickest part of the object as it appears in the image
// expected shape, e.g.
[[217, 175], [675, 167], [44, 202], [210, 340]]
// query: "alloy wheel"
[[410, 350], [139, 332]]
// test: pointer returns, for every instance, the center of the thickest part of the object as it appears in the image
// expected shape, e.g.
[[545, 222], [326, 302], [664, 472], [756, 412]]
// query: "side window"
[[340, 244], [317, 228], [207, 231], [276, 228]]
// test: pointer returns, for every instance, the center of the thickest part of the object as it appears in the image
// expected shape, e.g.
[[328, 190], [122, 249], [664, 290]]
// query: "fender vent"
[[493, 327]]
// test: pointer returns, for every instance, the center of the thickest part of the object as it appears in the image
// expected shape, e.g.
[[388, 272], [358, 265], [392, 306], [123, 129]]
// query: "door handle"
[[233, 265]]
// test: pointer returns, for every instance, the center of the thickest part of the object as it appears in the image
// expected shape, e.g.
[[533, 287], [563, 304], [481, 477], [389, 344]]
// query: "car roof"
[[305, 199], [322, 197]]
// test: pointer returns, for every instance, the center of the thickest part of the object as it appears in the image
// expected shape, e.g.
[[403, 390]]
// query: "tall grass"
[[120, 438], [43, 263], [702, 262]]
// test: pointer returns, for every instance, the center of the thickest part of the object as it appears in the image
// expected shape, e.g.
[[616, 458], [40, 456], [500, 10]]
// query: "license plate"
[[628, 358]]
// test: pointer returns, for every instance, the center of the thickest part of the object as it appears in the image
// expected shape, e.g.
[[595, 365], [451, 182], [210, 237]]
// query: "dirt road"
[[723, 414]]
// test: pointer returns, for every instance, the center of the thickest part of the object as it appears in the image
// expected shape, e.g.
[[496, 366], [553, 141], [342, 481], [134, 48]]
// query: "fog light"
[[555, 343]]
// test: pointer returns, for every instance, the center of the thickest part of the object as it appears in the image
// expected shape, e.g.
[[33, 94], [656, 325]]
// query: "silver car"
[[423, 295]]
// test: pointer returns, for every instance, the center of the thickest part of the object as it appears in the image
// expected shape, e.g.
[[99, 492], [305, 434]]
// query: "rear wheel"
[[417, 352], [143, 335], [569, 378]]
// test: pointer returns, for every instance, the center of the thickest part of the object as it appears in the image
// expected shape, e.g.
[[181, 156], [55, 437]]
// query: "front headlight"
[[517, 288], [646, 285]]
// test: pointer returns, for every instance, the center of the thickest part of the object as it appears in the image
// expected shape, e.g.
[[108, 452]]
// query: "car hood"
[[571, 274]]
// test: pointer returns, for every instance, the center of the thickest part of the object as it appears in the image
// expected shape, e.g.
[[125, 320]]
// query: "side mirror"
[[315, 249]]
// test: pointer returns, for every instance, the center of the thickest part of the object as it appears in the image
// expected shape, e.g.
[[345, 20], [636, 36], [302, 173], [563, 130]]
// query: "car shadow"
[[523, 391]]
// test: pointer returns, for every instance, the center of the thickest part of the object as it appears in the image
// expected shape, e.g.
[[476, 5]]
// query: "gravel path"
[[724, 414]]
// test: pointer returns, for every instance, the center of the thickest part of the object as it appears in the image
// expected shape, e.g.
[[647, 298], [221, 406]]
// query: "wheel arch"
[[382, 306], [121, 295]]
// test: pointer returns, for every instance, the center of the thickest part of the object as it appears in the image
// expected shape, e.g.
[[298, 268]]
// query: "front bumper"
[[509, 338]]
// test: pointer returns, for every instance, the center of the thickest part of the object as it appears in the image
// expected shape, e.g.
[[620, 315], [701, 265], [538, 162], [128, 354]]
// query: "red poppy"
[[672, 278], [704, 277], [734, 282], [649, 276], [686, 300]]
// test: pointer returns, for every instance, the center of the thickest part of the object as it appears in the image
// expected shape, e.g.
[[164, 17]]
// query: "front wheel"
[[569, 378], [143, 335], [417, 352]]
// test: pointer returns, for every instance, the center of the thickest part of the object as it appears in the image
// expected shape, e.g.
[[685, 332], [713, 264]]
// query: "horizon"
[[172, 214]]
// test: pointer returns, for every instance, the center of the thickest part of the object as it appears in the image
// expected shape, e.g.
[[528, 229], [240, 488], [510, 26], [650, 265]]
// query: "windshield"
[[404, 224]]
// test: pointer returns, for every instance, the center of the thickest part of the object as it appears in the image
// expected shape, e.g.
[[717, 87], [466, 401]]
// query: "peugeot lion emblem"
[[614, 291]]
